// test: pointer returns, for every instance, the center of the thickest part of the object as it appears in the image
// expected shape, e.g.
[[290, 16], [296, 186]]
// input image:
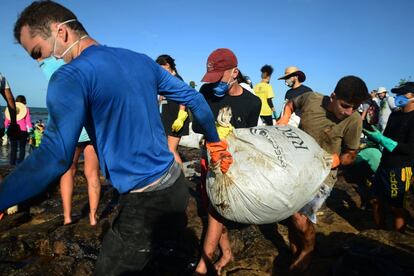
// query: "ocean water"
[[36, 113]]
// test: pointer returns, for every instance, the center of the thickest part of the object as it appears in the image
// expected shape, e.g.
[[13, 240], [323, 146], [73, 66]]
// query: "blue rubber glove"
[[379, 138], [274, 115]]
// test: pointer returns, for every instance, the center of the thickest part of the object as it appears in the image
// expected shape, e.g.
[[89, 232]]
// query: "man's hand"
[[336, 161], [283, 121], [379, 138], [13, 131], [179, 122], [219, 155]]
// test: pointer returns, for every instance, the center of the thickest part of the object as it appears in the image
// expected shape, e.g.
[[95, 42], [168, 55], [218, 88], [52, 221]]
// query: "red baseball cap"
[[219, 61]]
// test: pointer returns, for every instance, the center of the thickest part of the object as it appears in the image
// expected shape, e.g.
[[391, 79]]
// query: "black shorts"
[[267, 120], [392, 184], [84, 144]]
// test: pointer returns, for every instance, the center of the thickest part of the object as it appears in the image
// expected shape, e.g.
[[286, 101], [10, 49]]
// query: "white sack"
[[192, 140], [276, 171]]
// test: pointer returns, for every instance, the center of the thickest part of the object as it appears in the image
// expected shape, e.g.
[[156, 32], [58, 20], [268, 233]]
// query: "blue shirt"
[[113, 93]]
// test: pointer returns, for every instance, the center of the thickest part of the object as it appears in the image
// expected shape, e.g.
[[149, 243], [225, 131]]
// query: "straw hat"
[[293, 71], [21, 111]]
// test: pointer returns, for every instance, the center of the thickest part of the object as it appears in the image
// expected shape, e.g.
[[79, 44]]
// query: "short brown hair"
[[40, 14]]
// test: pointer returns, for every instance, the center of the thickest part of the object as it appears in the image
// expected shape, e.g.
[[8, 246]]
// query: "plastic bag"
[[192, 140], [276, 171]]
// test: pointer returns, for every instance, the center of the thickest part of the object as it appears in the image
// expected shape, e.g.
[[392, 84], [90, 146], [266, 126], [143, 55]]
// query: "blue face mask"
[[50, 65], [402, 100], [220, 88]]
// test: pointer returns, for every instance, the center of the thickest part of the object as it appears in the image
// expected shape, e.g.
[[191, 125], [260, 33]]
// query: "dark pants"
[[145, 221], [267, 120], [21, 144]]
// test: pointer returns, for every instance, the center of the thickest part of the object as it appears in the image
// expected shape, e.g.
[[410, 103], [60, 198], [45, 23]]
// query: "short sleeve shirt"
[[330, 133], [264, 91]]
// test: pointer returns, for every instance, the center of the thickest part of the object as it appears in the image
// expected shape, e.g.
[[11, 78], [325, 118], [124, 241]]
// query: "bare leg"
[[378, 213], [399, 219], [211, 240], [225, 247], [66, 187], [173, 147], [293, 239], [306, 234], [92, 177]]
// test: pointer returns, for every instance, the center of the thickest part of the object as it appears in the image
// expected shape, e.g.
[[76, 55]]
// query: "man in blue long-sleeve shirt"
[[113, 93]]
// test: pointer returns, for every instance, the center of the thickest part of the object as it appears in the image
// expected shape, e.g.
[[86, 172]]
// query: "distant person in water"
[[25, 124], [37, 134]]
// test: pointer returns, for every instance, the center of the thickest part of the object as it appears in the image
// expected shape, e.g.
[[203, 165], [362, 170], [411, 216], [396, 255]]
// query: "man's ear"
[[333, 96], [235, 73]]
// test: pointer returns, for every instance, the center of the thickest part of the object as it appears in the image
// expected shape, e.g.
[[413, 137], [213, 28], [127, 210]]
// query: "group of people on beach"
[[28, 132], [109, 88]]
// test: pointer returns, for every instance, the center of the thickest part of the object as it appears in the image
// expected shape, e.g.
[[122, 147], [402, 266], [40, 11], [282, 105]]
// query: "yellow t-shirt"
[[264, 91]]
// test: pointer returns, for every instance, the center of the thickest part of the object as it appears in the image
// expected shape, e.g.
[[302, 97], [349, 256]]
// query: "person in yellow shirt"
[[265, 92]]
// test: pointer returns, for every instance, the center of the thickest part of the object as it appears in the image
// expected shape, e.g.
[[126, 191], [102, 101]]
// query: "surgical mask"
[[402, 100], [289, 82], [50, 65], [54, 62], [220, 88]]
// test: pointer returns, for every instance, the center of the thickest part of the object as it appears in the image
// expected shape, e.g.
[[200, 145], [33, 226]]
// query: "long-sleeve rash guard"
[[113, 93]]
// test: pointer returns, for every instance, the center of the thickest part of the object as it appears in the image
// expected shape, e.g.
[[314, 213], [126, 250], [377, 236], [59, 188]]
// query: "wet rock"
[[34, 241]]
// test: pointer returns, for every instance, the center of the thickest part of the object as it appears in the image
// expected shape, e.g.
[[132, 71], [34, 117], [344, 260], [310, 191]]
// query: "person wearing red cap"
[[222, 90]]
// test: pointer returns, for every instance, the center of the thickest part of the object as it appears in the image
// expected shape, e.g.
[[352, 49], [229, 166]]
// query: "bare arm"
[[8, 97], [348, 157], [364, 114], [287, 112]]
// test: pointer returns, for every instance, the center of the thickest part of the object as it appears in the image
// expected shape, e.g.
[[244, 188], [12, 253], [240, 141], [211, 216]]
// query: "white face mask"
[[71, 46], [289, 82]]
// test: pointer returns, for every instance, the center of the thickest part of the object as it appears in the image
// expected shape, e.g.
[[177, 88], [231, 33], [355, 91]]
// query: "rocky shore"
[[34, 241]]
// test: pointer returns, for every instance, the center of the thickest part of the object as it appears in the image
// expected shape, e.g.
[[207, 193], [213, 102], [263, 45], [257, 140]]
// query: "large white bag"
[[276, 171]]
